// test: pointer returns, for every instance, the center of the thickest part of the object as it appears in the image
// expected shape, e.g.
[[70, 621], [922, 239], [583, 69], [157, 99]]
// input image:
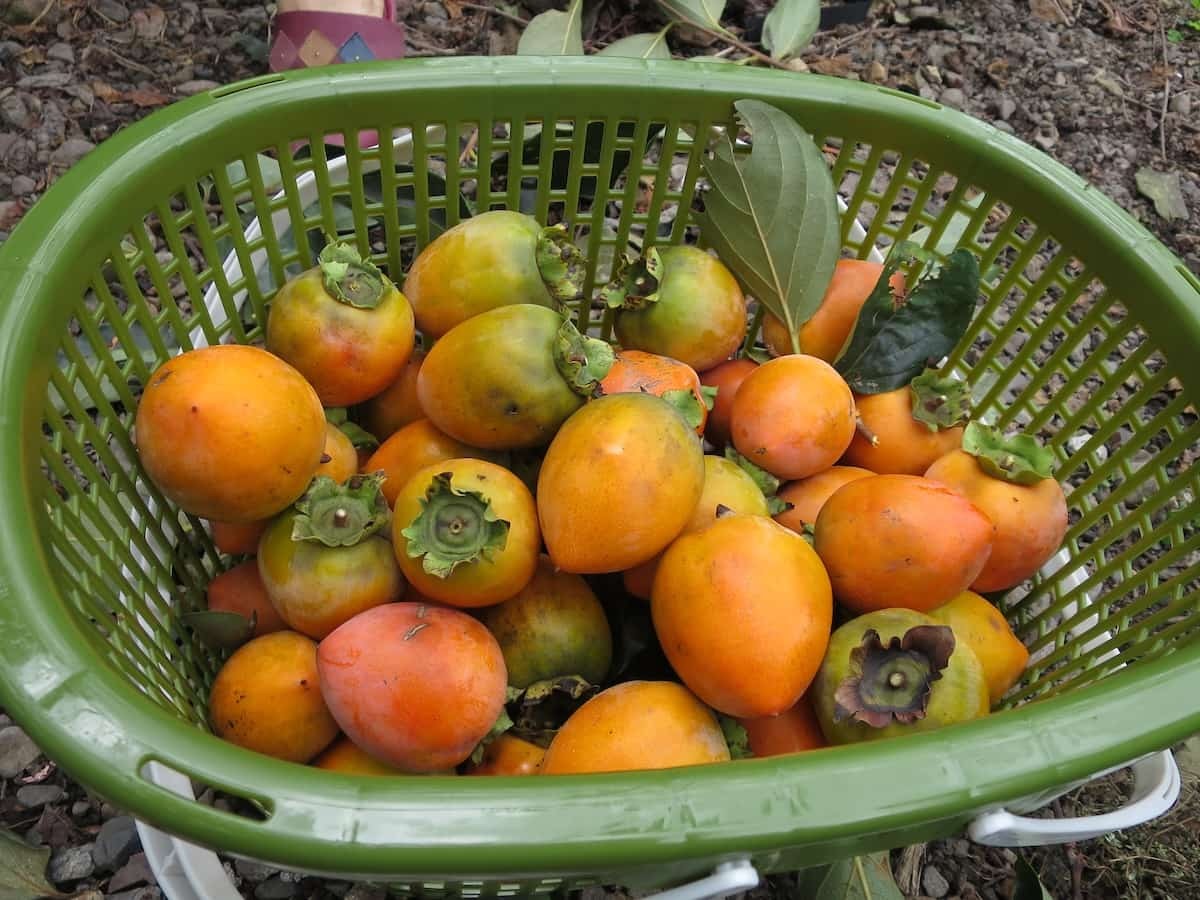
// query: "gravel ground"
[[1096, 84]]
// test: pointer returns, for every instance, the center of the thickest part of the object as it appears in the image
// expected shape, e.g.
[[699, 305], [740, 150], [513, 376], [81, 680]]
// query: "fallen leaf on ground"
[[1047, 11], [145, 98], [1164, 189]]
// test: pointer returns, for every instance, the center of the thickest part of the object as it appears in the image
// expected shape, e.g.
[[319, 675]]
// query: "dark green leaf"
[[772, 216], [554, 33], [701, 13], [23, 869], [858, 878], [893, 339], [1028, 885], [220, 630], [640, 46], [736, 737], [789, 26]]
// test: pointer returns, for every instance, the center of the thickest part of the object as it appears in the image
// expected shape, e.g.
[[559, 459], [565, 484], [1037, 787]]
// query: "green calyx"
[[1017, 458], [541, 709], [688, 405], [635, 282], [560, 264], [893, 683], [736, 737], [359, 436], [939, 402], [341, 515], [581, 361], [454, 527], [767, 483], [349, 278]]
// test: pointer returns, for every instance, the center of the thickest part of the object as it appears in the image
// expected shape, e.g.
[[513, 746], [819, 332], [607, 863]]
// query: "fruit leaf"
[[634, 283], [221, 630], [23, 869], [1028, 885], [545, 705], [502, 724], [772, 216], [554, 33], [701, 13], [641, 46], [790, 26], [1017, 458], [939, 402], [709, 393], [767, 483], [1164, 189], [582, 361], [359, 436], [858, 878], [736, 737], [341, 515], [687, 405], [893, 339]]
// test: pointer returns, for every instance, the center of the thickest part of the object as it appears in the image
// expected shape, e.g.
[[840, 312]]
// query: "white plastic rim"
[[186, 871]]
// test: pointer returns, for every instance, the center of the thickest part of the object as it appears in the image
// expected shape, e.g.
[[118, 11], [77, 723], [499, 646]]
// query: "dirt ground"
[[1099, 85]]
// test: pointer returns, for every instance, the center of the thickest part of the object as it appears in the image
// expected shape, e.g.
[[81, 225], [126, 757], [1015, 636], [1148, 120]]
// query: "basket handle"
[[727, 878], [1156, 786]]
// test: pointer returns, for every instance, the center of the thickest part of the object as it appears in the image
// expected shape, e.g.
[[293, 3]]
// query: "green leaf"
[[359, 436], [554, 33], [894, 339], [736, 737], [701, 13], [1175, 36], [501, 725], [772, 216], [709, 393], [1028, 885], [790, 26], [221, 630], [641, 46], [858, 878], [767, 483], [687, 404], [23, 869], [1017, 458]]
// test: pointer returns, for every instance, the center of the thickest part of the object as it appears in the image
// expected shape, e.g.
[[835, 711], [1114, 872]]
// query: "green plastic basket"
[[1087, 336]]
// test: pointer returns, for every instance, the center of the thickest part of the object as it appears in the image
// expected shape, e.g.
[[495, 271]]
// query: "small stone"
[[80, 808], [953, 97], [195, 86], [71, 864], [254, 872], [1047, 137], [136, 871], [61, 51], [9, 49], [72, 151], [925, 12], [1182, 104], [117, 841], [337, 888], [17, 751], [877, 72], [1006, 108], [366, 892], [112, 9], [961, 848], [1004, 126], [45, 80], [934, 883], [32, 796], [436, 12], [15, 111], [275, 888]]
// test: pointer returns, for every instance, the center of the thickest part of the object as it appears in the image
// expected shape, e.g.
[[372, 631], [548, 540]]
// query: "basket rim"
[[55, 684]]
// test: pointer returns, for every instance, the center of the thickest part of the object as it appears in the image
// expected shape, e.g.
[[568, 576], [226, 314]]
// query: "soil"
[[1097, 84]]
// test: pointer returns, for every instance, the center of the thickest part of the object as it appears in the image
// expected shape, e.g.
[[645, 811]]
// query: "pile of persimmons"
[[428, 504]]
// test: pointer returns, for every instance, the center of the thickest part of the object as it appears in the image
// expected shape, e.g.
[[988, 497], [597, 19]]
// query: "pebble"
[[9, 49], [1001, 125], [61, 51], [117, 841], [254, 872], [80, 808], [71, 864], [934, 883], [112, 9], [72, 151], [32, 796], [17, 751], [45, 80], [275, 888], [1047, 137], [1182, 104], [1006, 108], [953, 97], [196, 86], [136, 871], [15, 112], [142, 893]]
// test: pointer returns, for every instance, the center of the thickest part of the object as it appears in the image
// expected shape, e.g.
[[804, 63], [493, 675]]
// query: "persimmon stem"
[[866, 432]]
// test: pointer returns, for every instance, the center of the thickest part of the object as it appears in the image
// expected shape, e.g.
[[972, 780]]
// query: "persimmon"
[[902, 432], [412, 448], [635, 371], [396, 405], [808, 495], [983, 628], [241, 590], [726, 377]]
